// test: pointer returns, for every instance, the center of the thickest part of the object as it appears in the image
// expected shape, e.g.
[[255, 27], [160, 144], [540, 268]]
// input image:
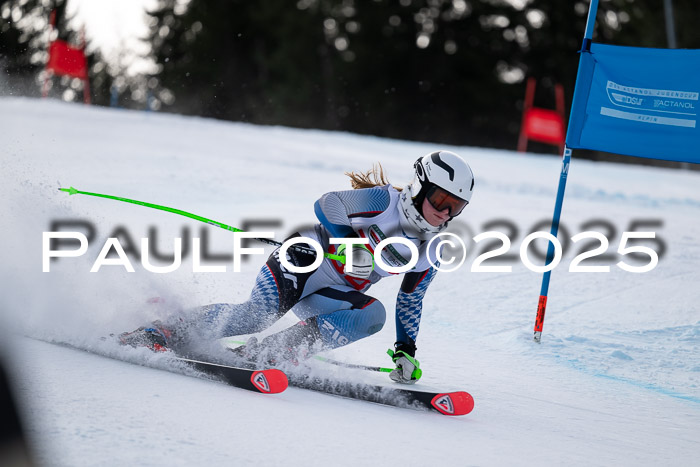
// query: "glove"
[[407, 368], [362, 261]]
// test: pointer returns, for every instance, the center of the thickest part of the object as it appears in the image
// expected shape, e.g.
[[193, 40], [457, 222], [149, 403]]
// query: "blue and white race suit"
[[326, 298]]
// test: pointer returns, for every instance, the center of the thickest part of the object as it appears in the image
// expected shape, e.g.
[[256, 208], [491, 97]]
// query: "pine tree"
[[239, 60], [23, 39], [25, 34]]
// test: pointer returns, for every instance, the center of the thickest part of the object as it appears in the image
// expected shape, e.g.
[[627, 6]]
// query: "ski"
[[266, 381], [446, 403]]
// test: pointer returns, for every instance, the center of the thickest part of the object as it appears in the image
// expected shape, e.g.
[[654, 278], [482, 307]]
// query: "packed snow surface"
[[615, 381]]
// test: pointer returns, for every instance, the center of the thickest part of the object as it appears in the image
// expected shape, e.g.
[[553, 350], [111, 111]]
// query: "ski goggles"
[[441, 199]]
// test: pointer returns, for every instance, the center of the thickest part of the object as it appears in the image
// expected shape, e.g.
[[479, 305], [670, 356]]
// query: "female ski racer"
[[330, 301]]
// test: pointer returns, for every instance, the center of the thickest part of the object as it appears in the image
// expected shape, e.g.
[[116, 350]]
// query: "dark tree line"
[[449, 71], [439, 70]]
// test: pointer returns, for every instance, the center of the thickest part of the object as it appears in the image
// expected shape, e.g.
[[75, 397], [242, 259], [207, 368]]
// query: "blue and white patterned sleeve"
[[409, 304], [335, 209]]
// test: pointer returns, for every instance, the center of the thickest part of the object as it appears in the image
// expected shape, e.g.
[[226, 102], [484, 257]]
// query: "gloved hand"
[[407, 367], [362, 261]]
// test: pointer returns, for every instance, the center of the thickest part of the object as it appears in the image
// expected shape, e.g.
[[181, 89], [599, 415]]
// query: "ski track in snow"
[[616, 380]]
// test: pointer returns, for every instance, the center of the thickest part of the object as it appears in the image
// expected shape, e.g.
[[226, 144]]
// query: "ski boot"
[[288, 347], [257, 354], [154, 337]]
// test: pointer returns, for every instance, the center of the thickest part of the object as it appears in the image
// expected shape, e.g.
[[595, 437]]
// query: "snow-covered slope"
[[616, 380]]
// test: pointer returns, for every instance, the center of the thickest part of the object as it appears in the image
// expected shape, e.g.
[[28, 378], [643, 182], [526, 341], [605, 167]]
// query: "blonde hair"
[[369, 179]]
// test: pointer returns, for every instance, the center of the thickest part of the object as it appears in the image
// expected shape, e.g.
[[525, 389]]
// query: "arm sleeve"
[[335, 209], [409, 305]]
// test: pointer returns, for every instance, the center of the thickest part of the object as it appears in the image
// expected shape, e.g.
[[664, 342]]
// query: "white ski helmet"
[[446, 180]]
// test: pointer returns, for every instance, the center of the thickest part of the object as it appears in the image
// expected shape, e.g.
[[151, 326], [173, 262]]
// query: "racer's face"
[[441, 199], [433, 216]]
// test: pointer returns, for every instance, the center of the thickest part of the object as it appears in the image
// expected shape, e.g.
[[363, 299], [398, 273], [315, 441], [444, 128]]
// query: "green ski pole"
[[73, 191], [353, 365], [328, 360]]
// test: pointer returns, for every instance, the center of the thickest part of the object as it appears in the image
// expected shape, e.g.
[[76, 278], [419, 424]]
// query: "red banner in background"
[[67, 60], [543, 125]]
